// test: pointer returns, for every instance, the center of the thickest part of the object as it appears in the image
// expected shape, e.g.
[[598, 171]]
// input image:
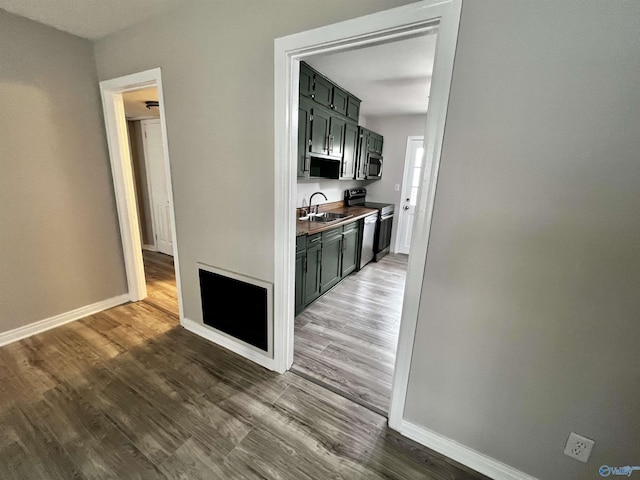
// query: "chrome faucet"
[[311, 198]]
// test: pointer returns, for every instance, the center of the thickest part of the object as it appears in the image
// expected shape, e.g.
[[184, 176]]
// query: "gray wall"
[[528, 324], [59, 239], [395, 130], [217, 73]]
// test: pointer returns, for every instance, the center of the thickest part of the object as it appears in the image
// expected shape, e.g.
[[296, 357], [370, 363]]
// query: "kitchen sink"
[[325, 217]]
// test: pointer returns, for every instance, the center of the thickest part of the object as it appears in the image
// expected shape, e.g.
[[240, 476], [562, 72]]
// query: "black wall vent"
[[236, 305]]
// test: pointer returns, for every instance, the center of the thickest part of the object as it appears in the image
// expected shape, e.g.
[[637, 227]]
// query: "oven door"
[[374, 165]]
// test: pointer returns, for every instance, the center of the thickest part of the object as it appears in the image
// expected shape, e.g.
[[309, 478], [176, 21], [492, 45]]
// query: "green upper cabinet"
[[320, 123], [304, 136], [349, 152], [370, 142], [353, 109], [377, 143], [322, 91], [340, 101], [306, 80], [363, 152], [327, 129], [336, 136]]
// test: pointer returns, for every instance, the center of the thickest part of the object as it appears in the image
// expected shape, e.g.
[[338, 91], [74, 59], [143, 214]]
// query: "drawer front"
[[350, 226], [314, 239], [331, 234]]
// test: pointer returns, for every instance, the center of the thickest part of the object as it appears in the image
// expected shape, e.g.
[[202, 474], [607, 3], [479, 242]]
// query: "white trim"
[[120, 156], [151, 248], [57, 320], [462, 454], [288, 51], [226, 342], [433, 139]]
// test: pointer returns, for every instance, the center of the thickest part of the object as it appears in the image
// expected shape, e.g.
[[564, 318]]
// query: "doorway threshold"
[[354, 398]]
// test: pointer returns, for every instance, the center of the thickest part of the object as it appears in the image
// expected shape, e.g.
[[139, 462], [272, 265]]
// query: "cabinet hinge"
[[311, 117]]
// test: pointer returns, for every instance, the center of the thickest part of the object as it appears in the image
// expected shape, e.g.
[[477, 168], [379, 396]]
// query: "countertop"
[[308, 228]]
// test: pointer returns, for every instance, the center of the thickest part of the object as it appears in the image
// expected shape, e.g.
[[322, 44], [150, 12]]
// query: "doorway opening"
[[136, 133], [413, 168], [346, 333], [400, 23]]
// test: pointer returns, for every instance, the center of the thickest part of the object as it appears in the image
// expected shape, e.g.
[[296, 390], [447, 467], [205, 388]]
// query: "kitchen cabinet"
[[325, 259], [312, 270], [328, 130], [370, 142], [304, 136], [353, 109], [327, 134], [301, 259], [340, 101], [336, 136], [363, 152], [306, 80], [331, 268], [320, 123], [322, 90], [350, 249], [349, 152]]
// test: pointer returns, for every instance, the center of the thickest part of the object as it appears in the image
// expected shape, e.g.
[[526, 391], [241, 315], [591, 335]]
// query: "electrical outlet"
[[578, 447]]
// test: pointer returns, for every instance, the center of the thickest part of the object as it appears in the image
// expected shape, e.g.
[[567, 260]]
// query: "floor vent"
[[236, 305]]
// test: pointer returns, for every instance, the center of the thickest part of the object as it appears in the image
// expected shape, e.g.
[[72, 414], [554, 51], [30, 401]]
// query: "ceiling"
[[90, 19], [134, 106], [391, 78]]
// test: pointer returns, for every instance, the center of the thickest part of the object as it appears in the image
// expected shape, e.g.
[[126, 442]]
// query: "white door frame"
[[396, 23], [120, 155], [405, 179]]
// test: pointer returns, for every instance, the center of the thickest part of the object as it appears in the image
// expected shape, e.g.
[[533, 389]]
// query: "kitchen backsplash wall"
[[333, 189]]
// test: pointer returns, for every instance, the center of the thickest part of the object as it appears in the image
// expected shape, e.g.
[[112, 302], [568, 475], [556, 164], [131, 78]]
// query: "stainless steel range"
[[384, 222]]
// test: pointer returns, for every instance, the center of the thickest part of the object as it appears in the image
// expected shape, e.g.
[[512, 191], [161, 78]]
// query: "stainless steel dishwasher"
[[368, 239]]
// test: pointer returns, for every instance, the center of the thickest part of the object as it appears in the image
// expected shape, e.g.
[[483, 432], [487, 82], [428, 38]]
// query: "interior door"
[[412, 175], [158, 185]]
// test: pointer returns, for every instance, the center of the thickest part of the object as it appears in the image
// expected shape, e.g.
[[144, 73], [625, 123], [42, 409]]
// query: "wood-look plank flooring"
[[129, 394], [160, 277], [346, 341]]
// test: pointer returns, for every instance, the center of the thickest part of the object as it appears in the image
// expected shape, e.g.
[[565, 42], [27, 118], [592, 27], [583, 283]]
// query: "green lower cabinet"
[[350, 249], [301, 260], [323, 260], [331, 259], [312, 273]]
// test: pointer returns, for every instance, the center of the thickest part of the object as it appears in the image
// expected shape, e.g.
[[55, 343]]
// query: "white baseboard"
[[57, 320], [481, 463], [151, 248], [224, 341]]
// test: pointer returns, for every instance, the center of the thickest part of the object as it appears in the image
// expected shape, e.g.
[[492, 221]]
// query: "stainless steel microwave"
[[374, 165]]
